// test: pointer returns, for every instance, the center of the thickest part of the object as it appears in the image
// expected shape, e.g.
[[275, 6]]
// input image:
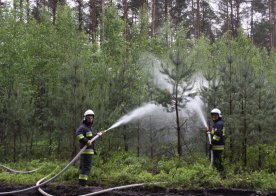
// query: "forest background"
[[59, 58]]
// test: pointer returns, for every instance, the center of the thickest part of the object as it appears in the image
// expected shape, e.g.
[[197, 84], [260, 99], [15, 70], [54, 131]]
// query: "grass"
[[126, 168]]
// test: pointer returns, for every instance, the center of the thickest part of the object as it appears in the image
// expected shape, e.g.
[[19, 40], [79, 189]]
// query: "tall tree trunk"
[[228, 18], [93, 24], [252, 22], [127, 37], [274, 24], [232, 19], [75, 112], [260, 157], [50, 141], [80, 15], [125, 138], [1, 4], [238, 22], [244, 136], [102, 21], [44, 4], [178, 9], [202, 23], [21, 10], [28, 10], [14, 146], [166, 10], [151, 140], [15, 8], [31, 141], [197, 19], [230, 102], [153, 17], [54, 11], [59, 147], [179, 147], [193, 18], [5, 138], [109, 145], [125, 142], [272, 21], [138, 140], [126, 18]]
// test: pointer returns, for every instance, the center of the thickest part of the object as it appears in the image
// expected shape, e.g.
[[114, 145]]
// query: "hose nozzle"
[[101, 132]]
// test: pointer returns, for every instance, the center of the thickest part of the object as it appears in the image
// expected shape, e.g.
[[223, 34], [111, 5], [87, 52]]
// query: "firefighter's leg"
[[218, 162], [85, 166], [216, 159], [220, 166]]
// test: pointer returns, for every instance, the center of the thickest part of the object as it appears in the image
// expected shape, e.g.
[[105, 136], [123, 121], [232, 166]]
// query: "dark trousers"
[[218, 161], [85, 167]]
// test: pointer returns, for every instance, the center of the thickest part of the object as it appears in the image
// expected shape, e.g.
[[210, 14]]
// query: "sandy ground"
[[138, 191]]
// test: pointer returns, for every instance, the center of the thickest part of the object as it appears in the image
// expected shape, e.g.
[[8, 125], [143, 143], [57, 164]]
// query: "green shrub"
[[253, 180], [145, 176]]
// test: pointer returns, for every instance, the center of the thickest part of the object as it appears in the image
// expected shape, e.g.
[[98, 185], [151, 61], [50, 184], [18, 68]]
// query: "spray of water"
[[196, 104], [134, 115]]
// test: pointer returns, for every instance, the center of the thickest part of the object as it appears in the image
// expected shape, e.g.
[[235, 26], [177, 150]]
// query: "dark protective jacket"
[[218, 135], [84, 133]]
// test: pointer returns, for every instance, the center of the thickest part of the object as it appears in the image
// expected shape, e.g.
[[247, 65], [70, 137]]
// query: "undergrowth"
[[125, 168]]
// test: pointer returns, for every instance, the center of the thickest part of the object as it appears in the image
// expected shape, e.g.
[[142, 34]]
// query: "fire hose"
[[211, 151], [41, 180], [97, 192], [123, 120], [39, 189], [101, 191], [115, 188], [17, 171], [54, 177], [121, 187]]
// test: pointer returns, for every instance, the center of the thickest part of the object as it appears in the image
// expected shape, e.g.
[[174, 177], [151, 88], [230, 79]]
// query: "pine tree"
[[179, 70]]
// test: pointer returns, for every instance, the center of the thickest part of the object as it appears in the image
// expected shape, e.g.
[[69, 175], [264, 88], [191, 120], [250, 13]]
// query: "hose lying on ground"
[[54, 177], [41, 180], [17, 171], [39, 189], [119, 188], [102, 191]]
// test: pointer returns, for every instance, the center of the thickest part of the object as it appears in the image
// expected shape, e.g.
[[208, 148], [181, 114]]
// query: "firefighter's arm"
[[89, 142], [218, 132], [206, 129], [80, 136]]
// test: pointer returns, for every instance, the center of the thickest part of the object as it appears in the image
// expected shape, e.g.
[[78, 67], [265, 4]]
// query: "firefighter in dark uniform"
[[84, 134], [217, 139]]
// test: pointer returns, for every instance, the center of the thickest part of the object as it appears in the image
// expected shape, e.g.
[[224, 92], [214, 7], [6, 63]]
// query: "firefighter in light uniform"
[[84, 134], [218, 139]]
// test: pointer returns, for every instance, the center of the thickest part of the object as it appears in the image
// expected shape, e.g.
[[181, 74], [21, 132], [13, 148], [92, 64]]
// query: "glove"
[[210, 147], [206, 129], [89, 143]]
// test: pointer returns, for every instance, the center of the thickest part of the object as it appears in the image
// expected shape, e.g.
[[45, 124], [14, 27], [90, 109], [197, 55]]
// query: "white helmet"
[[216, 111], [88, 113]]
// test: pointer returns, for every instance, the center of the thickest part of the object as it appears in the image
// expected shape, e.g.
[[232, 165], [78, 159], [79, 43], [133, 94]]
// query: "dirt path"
[[140, 191]]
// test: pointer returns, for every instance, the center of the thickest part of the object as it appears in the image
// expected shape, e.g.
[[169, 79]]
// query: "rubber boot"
[[82, 182]]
